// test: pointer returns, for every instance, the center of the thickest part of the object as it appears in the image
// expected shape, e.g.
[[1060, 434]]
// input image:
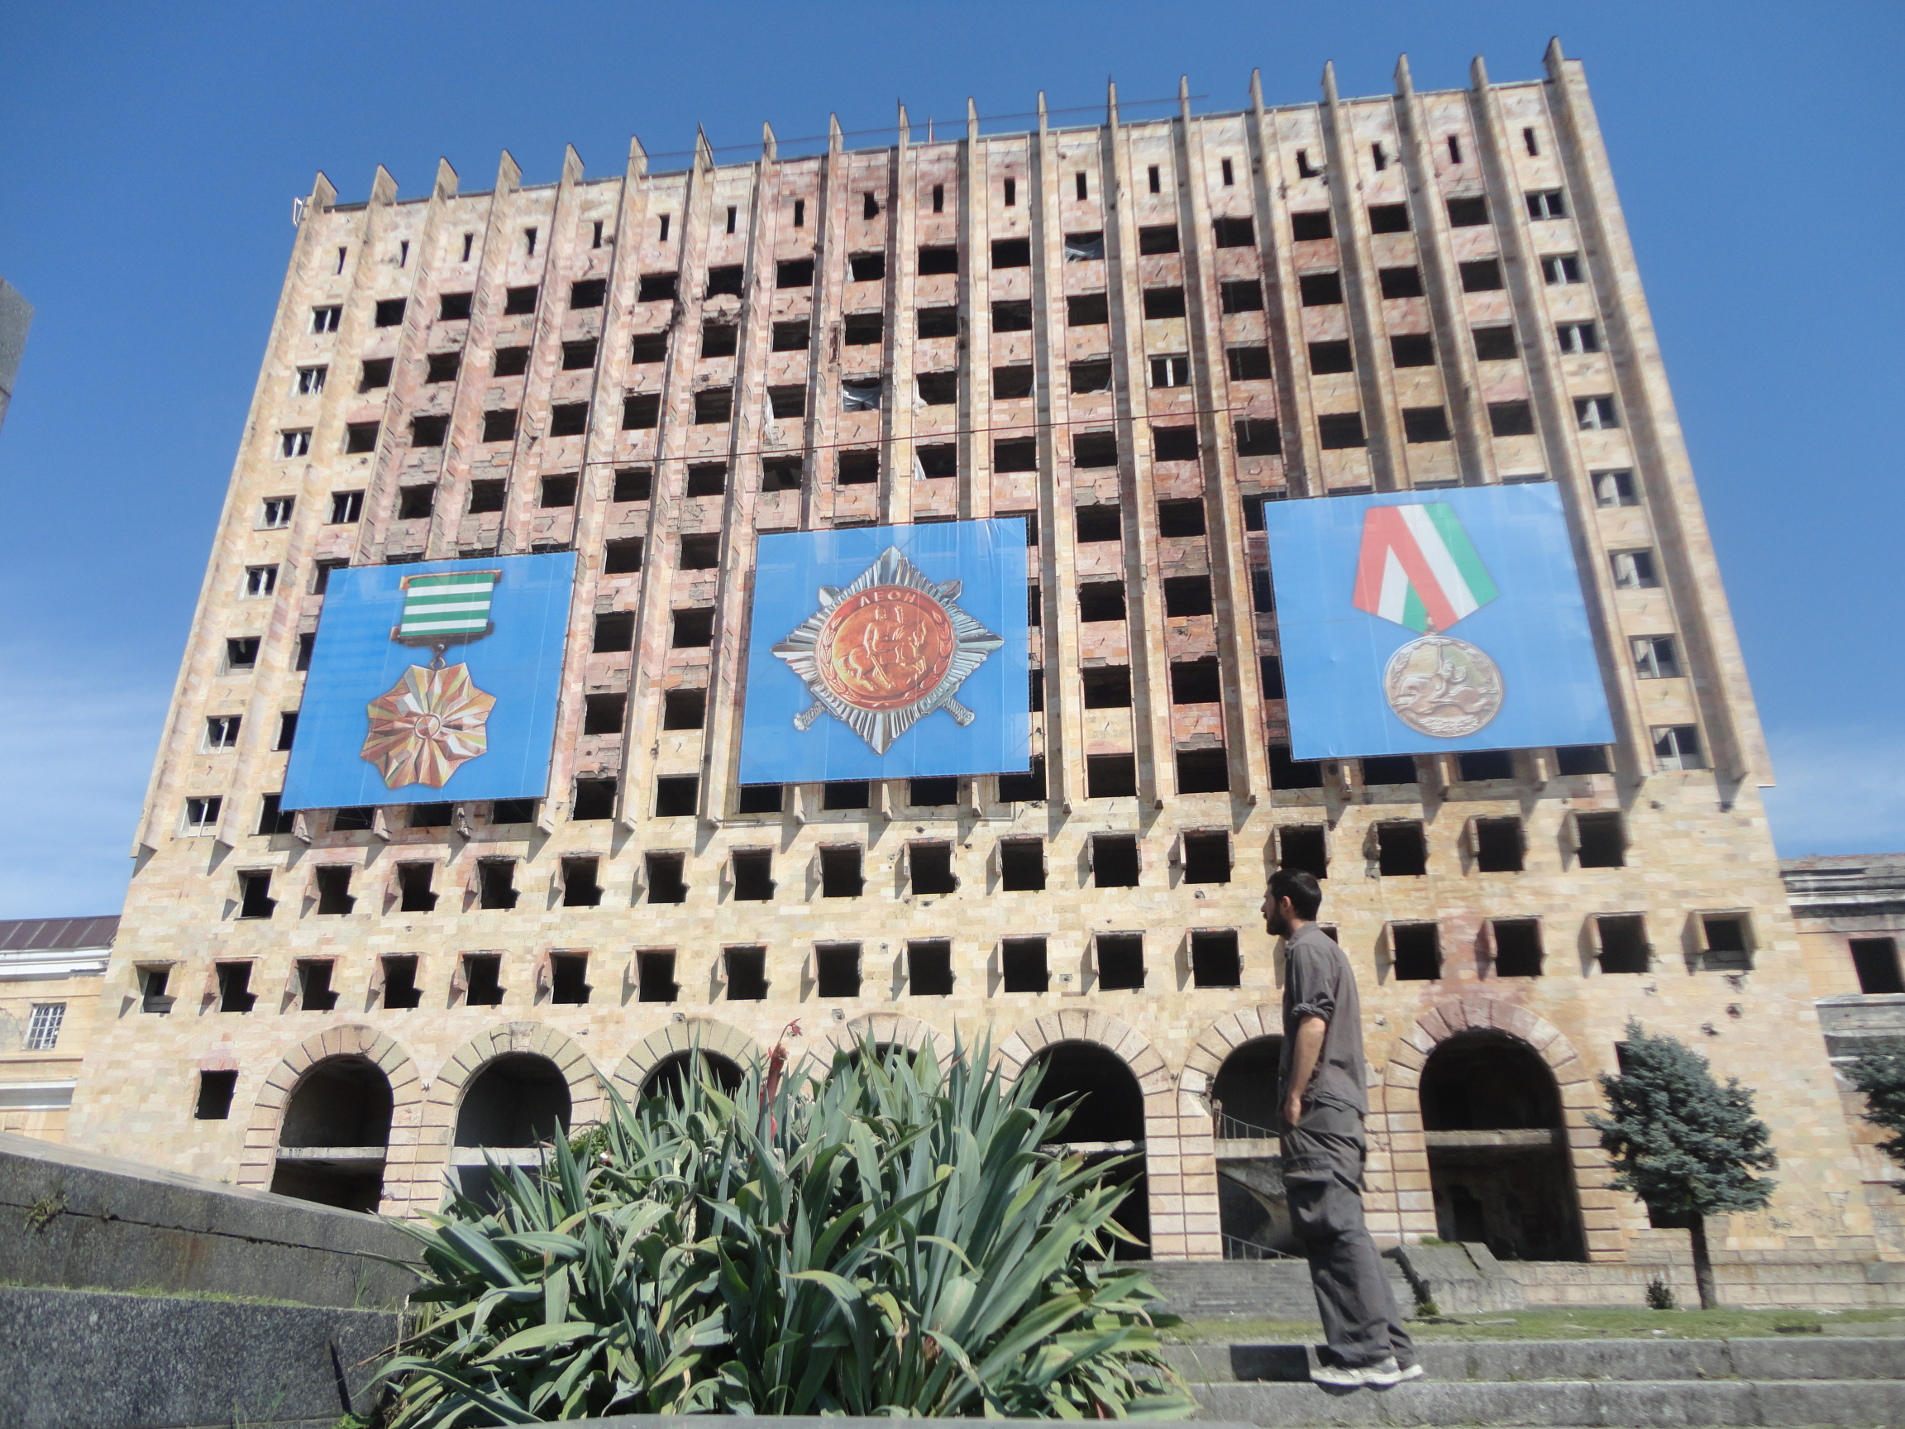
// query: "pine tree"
[[1681, 1142], [1881, 1076]]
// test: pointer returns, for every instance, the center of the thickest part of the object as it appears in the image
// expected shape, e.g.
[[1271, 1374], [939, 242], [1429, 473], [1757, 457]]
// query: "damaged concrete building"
[[1134, 332]]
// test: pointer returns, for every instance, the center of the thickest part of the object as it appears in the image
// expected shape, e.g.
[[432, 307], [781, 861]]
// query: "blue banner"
[[1418, 622], [888, 652], [433, 682]]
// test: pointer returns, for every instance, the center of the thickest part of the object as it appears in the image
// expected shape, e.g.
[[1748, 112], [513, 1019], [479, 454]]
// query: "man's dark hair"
[[1302, 889]]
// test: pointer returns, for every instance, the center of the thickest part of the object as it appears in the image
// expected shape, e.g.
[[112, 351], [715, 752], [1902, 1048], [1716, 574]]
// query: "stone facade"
[[675, 369], [51, 970]]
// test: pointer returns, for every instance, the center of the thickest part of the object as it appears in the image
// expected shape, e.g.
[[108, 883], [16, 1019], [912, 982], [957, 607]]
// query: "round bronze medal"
[[885, 647], [1443, 687]]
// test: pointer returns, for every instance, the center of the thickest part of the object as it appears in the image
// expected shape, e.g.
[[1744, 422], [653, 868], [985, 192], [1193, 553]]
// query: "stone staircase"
[[1246, 1289], [1810, 1380]]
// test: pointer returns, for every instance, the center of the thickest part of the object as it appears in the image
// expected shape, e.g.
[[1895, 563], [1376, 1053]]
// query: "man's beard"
[[1278, 926]]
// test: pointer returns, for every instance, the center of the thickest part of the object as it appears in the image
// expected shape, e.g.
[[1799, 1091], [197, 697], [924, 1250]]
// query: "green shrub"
[[889, 1238]]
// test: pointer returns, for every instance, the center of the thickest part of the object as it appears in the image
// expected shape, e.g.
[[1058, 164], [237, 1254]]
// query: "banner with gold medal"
[[1415, 622], [433, 682]]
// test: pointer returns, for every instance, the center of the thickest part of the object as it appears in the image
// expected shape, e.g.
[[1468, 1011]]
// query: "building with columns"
[[1134, 332]]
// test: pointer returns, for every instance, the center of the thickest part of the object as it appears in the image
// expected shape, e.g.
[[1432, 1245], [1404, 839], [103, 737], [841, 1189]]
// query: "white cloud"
[[77, 737], [1841, 790]]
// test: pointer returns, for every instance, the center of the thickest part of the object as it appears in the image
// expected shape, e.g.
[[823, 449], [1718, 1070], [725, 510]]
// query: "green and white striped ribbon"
[[435, 607]]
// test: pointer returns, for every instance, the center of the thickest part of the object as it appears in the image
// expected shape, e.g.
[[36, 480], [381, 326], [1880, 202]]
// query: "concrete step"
[[1245, 1289], [1852, 1404], [1508, 1361]]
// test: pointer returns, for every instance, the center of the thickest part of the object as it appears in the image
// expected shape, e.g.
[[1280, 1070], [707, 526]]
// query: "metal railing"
[[1237, 1248], [1230, 1128]]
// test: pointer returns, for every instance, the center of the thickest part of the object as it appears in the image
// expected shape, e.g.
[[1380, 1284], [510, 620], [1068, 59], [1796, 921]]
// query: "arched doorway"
[[1253, 1210], [670, 1076], [1107, 1120], [333, 1138], [1498, 1157], [511, 1109]]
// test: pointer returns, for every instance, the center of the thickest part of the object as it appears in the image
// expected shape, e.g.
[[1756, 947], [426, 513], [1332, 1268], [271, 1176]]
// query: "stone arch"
[[439, 1112], [1251, 1206], [1209, 1052], [885, 1028], [717, 1038], [259, 1158], [1399, 1156]]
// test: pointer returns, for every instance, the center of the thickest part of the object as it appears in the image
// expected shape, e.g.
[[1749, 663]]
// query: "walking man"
[[1324, 1104]]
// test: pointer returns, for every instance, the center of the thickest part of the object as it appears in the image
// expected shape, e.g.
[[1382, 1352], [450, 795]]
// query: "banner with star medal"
[[1416, 622], [887, 652], [433, 682]]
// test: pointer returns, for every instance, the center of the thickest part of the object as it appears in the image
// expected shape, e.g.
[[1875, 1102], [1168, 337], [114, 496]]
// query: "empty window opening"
[[1164, 302], [1252, 364], [1495, 344], [356, 819], [1546, 203], [1304, 168], [1511, 419], [1270, 676], [152, 994], [713, 405], [1412, 349], [662, 876], [1111, 776], [1311, 226], [939, 198], [1583, 759], [1678, 747], [1517, 946], [1425, 424], [315, 993], [614, 632], [624, 557], [1341, 431], [307, 642], [929, 968], [1498, 846], [1203, 771], [558, 491], [221, 731], [701, 551], [724, 281], [512, 811], [1082, 187], [1600, 839], [1183, 596], [496, 883], [498, 426], [677, 795], [1023, 966], [760, 799], [1215, 961], [1196, 682], [929, 869], [1305, 848], [1727, 943], [1320, 290], [682, 709], [1258, 436], [1114, 860], [1655, 657], [753, 874], [296, 443], [1634, 570], [1402, 850], [1416, 949], [254, 895], [327, 319], [1400, 282], [1578, 338], [1623, 943], [1102, 601], [1179, 518], [937, 259], [1207, 858], [857, 468], [836, 970], [846, 794], [1560, 269], [693, 628], [569, 972], [1390, 769], [1242, 296], [932, 793], [1021, 865], [215, 1091], [1099, 523], [655, 977], [414, 894], [1120, 959], [234, 987], [287, 730], [1015, 455], [1033, 604], [1876, 962], [333, 884], [1327, 357], [1024, 788], [1485, 764], [346, 507], [594, 799], [841, 875], [937, 322], [747, 973], [1595, 414], [430, 816], [1011, 253], [1011, 382], [1482, 276]]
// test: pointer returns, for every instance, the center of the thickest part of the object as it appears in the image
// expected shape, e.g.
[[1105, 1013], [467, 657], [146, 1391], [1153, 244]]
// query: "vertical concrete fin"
[[1044, 118], [509, 173], [1405, 83], [383, 188], [833, 134], [904, 126], [704, 151], [571, 165], [1478, 75], [1256, 91], [1329, 83], [1552, 58], [637, 158], [323, 193], [1184, 100], [1111, 103], [770, 147], [446, 179]]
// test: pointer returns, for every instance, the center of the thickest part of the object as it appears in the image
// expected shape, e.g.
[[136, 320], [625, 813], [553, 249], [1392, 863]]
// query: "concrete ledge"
[[790, 1421], [92, 1360], [1508, 1361], [90, 1221], [1855, 1404]]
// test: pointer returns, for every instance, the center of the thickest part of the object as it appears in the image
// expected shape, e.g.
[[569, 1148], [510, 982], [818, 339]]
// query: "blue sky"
[[151, 153]]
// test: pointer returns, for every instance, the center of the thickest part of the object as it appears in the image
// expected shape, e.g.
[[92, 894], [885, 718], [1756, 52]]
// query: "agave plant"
[[891, 1237]]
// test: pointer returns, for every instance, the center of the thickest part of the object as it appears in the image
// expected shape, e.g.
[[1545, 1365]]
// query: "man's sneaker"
[[1411, 1371], [1381, 1374]]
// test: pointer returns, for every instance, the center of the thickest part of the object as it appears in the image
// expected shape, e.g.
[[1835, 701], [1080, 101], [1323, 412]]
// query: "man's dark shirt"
[[1319, 983]]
